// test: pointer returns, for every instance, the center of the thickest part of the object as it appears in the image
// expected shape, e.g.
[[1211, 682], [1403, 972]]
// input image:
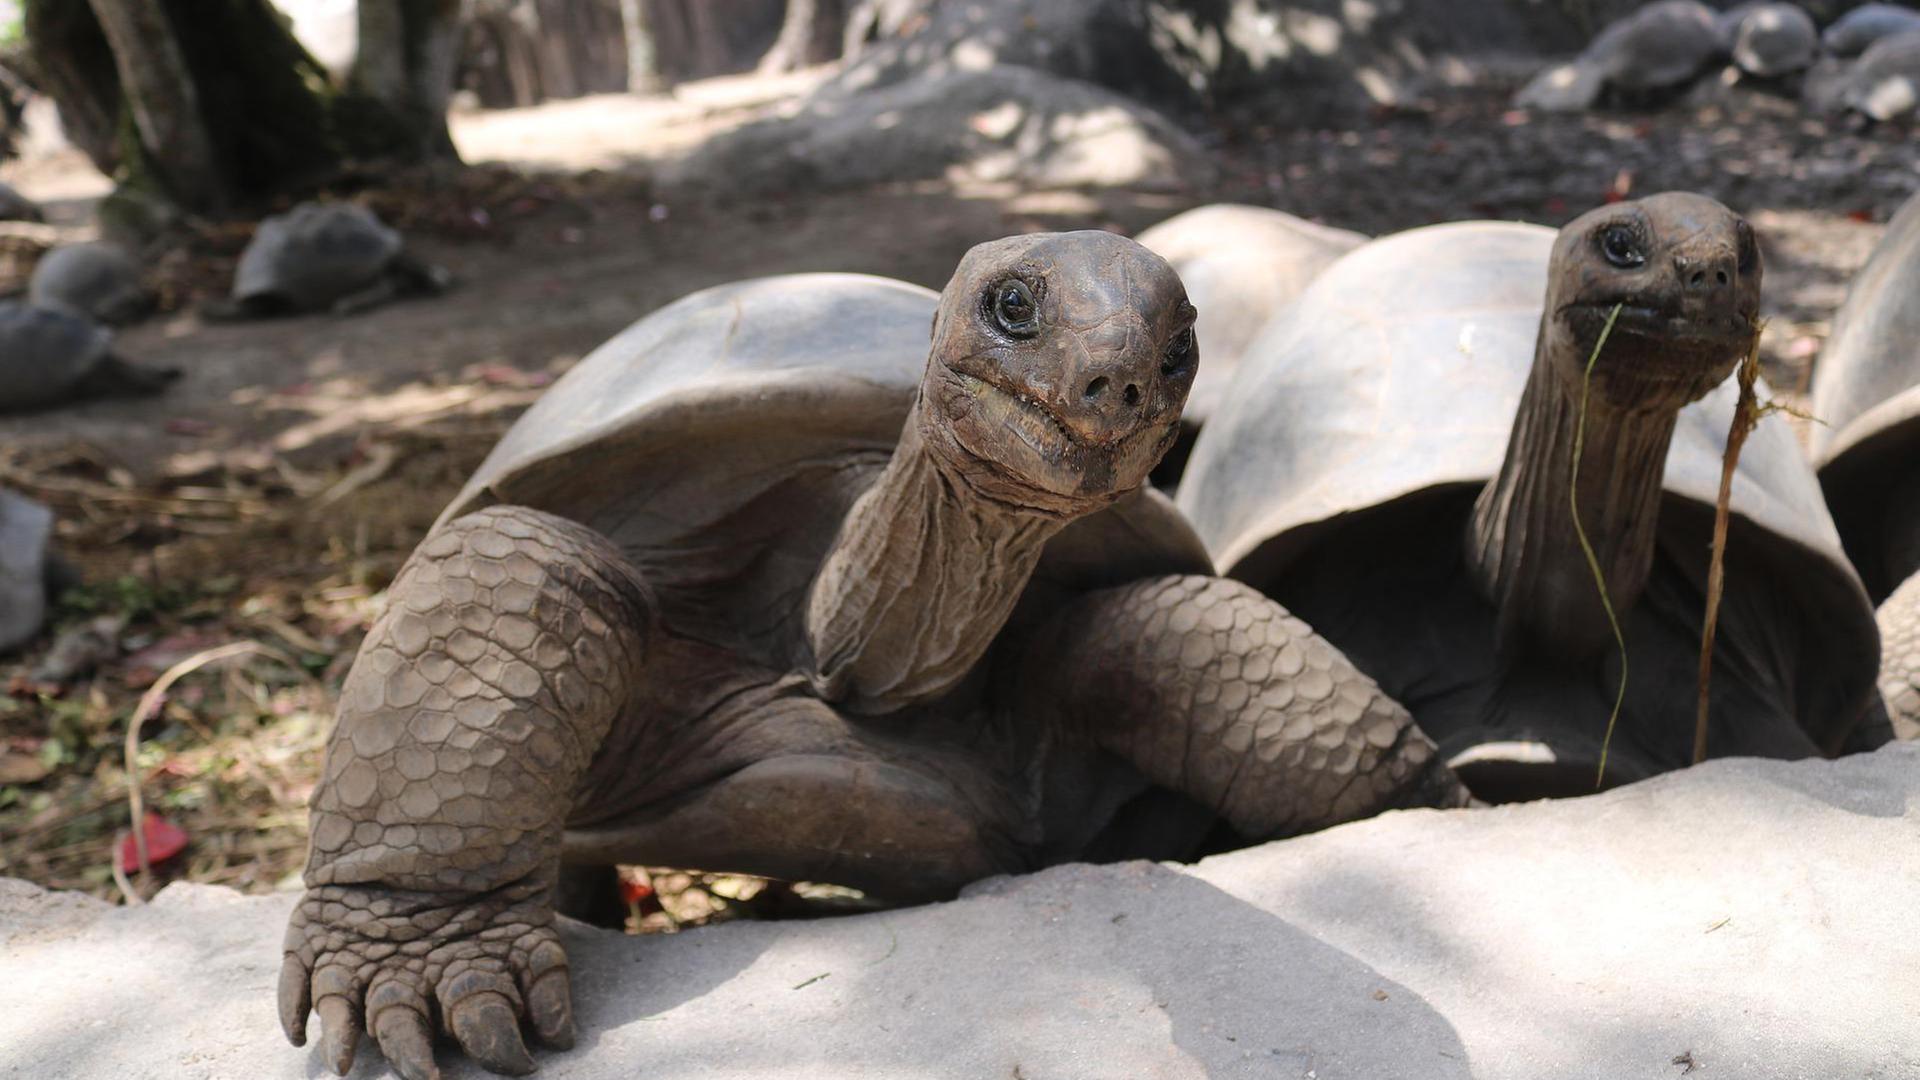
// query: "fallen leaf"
[[164, 841], [18, 768]]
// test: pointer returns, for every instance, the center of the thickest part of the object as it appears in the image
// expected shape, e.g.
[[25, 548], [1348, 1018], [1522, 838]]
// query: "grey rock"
[[1751, 917], [994, 124], [25, 529]]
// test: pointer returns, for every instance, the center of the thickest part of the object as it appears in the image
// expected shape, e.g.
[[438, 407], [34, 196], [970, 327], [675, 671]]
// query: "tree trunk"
[[810, 34], [643, 66], [409, 50], [165, 105]]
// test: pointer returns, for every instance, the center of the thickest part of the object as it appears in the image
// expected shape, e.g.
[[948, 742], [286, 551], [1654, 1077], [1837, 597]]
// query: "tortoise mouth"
[[1732, 324], [1018, 438]]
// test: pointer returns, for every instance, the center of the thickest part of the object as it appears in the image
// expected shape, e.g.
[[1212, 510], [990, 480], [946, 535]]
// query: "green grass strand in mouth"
[[1586, 546]]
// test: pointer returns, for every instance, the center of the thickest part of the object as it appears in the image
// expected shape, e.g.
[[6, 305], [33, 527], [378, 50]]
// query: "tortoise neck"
[[1522, 547], [922, 577]]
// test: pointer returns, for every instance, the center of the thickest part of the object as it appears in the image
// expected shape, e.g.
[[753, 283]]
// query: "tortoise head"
[[1059, 367], [1685, 271]]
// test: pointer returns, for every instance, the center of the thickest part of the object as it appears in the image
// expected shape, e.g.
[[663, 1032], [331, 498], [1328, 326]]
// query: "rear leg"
[[512, 643]]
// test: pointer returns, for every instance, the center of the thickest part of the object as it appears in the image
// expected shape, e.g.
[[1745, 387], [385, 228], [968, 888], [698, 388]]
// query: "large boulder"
[[995, 124], [1749, 919]]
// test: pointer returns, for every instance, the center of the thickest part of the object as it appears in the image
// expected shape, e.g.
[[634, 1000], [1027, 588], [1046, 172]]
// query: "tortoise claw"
[[549, 995], [488, 1029], [295, 998]]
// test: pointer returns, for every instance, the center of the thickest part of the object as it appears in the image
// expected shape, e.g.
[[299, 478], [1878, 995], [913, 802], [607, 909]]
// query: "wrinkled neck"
[[1522, 547], [922, 577]]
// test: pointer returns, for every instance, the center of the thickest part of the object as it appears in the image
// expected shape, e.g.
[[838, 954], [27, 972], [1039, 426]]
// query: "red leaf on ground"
[[164, 841], [632, 892]]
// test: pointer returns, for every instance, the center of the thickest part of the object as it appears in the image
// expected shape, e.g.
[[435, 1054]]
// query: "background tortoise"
[[332, 256], [49, 358], [1769, 40], [764, 585], [1653, 51], [94, 281], [1393, 464], [1240, 264], [1866, 392], [1856, 31]]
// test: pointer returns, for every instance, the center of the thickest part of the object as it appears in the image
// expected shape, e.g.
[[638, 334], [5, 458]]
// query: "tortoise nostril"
[[1131, 395], [1097, 387], [1720, 276], [1699, 277]]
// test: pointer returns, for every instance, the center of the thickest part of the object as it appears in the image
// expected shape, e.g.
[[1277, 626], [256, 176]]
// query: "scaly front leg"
[[509, 648], [1212, 689]]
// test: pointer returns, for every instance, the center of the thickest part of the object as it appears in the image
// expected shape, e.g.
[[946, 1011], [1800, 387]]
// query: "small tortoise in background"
[[50, 358], [1395, 465], [334, 257], [1866, 393], [1648, 54], [101, 282], [763, 585]]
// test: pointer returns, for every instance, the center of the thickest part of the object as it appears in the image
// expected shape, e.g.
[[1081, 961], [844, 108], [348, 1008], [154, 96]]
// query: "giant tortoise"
[[98, 281], [328, 256], [1394, 464], [1644, 56], [1240, 264], [1866, 392], [50, 358], [763, 585], [1769, 40]]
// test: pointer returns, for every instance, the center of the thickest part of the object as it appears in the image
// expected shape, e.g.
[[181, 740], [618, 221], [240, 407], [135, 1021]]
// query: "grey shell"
[[315, 254], [1240, 264], [1768, 40], [95, 281], [25, 529], [719, 441], [1660, 46], [45, 354], [1399, 372], [1885, 82], [1866, 394], [1853, 33]]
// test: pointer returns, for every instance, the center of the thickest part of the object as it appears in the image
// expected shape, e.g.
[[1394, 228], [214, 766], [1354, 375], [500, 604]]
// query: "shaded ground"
[[272, 495]]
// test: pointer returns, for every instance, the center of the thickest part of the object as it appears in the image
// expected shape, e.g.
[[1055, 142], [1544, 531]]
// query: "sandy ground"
[[277, 488]]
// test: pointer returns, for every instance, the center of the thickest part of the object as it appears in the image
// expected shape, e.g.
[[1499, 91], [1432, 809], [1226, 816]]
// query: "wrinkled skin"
[[906, 732], [1685, 274]]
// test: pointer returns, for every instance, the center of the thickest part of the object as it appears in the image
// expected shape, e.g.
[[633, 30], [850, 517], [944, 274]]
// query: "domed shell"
[[45, 354], [1853, 33], [1770, 39], [95, 281], [1660, 46], [1399, 371], [1240, 264], [313, 255], [729, 429], [1866, 395]]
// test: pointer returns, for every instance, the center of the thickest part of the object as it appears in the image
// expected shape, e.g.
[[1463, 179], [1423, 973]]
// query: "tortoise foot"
[[406, 965]]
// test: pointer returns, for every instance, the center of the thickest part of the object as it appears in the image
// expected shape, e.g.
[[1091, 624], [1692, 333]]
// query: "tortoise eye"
[[1621, 247], [1014, 309]]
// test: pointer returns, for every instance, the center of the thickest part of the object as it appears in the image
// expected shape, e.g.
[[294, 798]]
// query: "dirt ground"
[[273, 493]]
